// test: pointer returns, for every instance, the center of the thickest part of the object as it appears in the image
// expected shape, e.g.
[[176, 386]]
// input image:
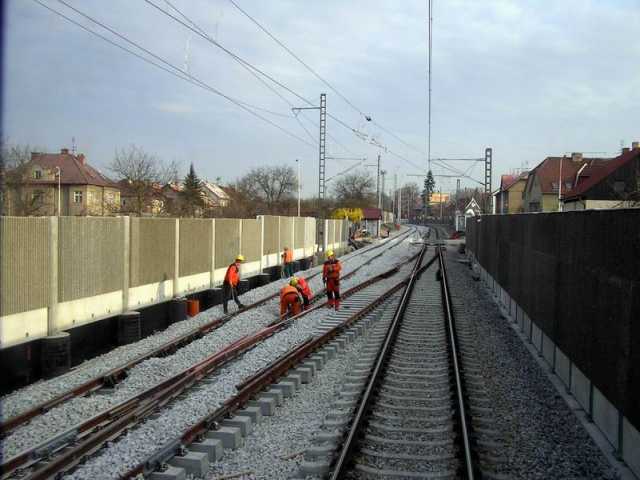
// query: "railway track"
[[114, 376], [422, 412], [59, 454]]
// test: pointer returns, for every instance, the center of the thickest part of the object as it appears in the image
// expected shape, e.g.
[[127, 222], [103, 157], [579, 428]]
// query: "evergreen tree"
[[427, 191], [192, 194]]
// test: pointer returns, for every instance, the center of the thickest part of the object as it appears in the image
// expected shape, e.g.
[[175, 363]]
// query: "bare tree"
[[142, 173], [355, 190], [269, 186]]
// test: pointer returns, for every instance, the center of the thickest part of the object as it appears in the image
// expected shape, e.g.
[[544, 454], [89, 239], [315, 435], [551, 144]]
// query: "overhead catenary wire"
[[172, 69]]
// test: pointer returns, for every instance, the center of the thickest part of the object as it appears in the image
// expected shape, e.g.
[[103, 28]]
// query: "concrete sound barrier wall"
[[61, 273], [571, 282]]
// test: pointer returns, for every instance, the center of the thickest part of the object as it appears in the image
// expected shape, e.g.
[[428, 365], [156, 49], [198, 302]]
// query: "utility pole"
[[440, 195], [299, 162], [321, 162], [488, 160], [383, 173], [400, 205]]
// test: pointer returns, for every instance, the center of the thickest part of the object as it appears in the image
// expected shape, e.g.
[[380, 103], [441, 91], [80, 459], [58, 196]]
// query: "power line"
[[173, 69]]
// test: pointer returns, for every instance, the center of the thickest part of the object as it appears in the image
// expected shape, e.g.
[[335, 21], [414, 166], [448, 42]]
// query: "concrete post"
[[293, 237], [279, 241], [212, 264], [261, 218], [176, 259], [126, 246], [240, 244], [325, 240], [52, 303]]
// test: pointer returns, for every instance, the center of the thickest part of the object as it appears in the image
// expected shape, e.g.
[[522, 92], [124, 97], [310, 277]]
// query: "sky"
[[527, 78]]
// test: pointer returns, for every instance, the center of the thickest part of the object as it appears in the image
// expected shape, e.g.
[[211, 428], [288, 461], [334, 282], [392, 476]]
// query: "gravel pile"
[[154, 370], [138, 444], [542, 437], [275, 448], [29, 397]]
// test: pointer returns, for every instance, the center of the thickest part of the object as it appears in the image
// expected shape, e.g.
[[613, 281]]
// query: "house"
[[142, 199], [215, 196], [509, 196], [49, 180], [614, 184], [472, 209], [371, 220], [554, 176]]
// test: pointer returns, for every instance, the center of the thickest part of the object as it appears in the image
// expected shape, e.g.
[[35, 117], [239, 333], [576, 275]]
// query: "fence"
[[572, 282], [59, 273]]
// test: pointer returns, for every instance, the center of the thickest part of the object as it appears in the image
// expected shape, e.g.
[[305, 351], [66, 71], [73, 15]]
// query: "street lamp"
[[58, 175]]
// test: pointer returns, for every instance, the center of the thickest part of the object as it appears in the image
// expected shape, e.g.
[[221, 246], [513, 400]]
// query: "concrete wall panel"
[[153, 245], [286, 233], [330, 233], [251, 240], [24, 264], [90, 257], [271, 235], [300, 223], [227, 241], [195, 246]]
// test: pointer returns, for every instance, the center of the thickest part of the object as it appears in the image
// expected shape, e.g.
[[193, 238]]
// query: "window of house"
[[37, 196], [77, 196], [37, 174]]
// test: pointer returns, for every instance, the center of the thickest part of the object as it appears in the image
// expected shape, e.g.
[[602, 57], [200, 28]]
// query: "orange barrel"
[[193, 307]]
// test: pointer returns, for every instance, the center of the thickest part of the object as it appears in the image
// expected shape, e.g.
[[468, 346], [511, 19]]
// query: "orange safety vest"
[[287, 255], [304, 288], [288, 296], [331, 269], [232, 277]]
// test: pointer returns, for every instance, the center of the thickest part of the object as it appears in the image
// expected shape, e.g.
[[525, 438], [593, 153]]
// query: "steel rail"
[[117, 374], [261, 379], [93, 432], [470, 463], [348, 447]]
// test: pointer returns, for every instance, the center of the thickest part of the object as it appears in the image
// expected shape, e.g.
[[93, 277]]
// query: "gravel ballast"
[[141, 442], [153, 370], [37, 393], [542, 437]]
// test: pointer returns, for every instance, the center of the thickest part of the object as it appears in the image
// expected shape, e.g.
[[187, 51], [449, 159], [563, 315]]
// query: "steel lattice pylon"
[[321, 156], [488, 159]]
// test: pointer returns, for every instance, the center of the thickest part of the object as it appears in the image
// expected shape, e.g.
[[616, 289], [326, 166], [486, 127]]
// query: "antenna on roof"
[[73, 145]]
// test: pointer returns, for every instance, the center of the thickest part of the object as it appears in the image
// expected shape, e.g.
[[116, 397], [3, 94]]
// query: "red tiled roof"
[[548, 171], [74, 170], [508, 181], [371, 213], [593, 174]]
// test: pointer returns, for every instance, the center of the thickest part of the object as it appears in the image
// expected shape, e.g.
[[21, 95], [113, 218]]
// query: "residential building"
[[472, 209], [142, 199], [47, 177], [213, 197], [614, 184], [551, 178], [508, 198]]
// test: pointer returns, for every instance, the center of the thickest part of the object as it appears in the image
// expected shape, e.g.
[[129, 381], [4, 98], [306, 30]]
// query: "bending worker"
[[290, 303], [230, 284], [287, 262], [331, 278], [303, 288]]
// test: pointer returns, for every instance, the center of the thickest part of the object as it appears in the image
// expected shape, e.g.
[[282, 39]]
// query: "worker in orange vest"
[[290, 302], [287, 262], [331, 278], [230, 283], [304, 290]]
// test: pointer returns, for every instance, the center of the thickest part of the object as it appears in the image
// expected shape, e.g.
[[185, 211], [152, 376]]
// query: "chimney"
[[576, 157], [64, 151], [635, 145], [80, 158], [626, 150]]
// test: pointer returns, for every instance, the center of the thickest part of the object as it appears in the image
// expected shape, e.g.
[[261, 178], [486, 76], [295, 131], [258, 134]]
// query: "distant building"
[[553, 177], [472, 209], [614, 184], [141, 199], [83, 189], [216, 197], [213, 197], [371, 217], [508, 198]]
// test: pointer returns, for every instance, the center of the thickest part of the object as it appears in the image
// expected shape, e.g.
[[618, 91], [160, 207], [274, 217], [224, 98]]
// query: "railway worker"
[[287, 262], [290, 301], [303, 288], [331, 278], [230, 284]]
